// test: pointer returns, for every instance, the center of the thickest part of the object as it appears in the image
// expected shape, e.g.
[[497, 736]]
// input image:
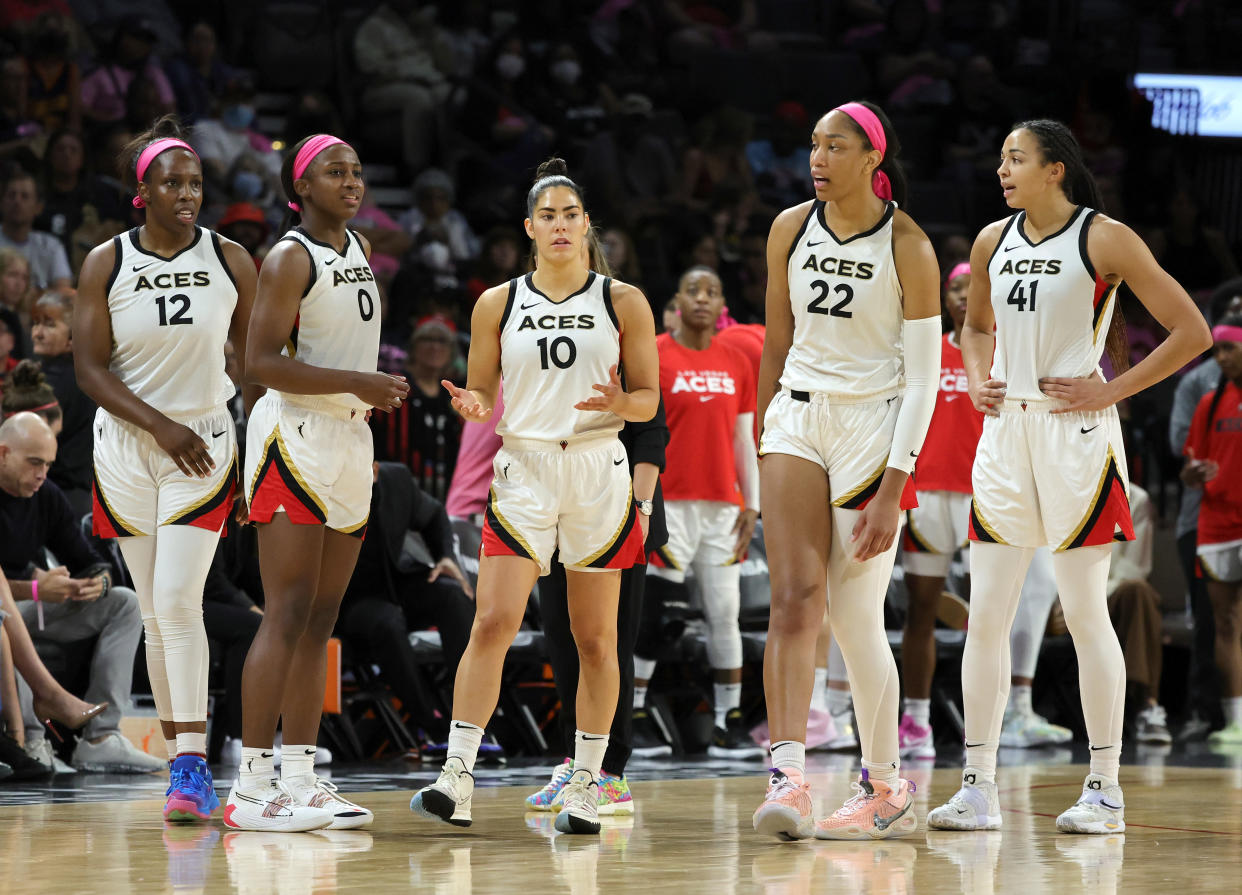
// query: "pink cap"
[[148, 155], [870, 124], [306, 155]]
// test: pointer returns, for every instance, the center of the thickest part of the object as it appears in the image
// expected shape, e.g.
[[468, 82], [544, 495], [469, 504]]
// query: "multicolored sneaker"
[[579, 804], [976, 806], [1100, 809], [191, 794], [915, 739], [448, 799], [1229, 735], [875, 811], [543, 799], [271, 808], [614, 796], [316, 792], [1027, 730], [786, 810]]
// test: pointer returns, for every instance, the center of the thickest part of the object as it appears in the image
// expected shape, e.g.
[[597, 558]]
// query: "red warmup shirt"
[[704, 392], [747, 338], [1220, 514], [948, 453]]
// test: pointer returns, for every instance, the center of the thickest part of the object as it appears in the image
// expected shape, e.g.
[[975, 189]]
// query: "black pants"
[[378, 628], [563, 653], [1203, 679], [232, 628]]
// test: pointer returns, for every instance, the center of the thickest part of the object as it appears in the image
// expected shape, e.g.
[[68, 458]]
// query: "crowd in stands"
[[687, 125]]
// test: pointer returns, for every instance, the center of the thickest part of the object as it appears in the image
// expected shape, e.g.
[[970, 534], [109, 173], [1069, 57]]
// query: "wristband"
[[34, 595]]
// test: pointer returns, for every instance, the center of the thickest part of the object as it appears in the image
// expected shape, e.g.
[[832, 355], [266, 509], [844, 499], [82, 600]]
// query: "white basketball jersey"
[[847, 310], [1052, 310], [338, 322], [170, 320], [551, 353]]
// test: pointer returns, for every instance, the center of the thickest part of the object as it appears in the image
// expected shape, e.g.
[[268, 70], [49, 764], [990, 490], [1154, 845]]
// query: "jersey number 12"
[[180, 315]]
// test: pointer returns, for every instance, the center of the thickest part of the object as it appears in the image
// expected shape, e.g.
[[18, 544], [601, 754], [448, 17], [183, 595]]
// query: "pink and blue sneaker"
[[545, 799], [191, 794], [614, 796]]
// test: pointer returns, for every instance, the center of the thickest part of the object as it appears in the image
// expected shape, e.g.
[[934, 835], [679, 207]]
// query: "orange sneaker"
[[875, 811], [786, 810]]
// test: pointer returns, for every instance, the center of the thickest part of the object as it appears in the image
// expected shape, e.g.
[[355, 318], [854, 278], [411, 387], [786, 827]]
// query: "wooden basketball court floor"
[[687, 836]]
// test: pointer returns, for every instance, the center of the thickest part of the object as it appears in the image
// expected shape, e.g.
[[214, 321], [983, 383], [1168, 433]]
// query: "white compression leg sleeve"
[[139, 553], [996, 573], [856, 593], [182, 558], [1082, 577], [721, 596], [1039, 592]]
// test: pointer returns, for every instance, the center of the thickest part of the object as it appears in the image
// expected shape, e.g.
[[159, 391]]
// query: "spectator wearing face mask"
[[237, 159]]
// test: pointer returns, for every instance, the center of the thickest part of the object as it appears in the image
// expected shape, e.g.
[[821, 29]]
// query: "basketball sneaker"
[[1027, 730], [876, 811], [976, 806], [316, 792], [614, 796], [820, 730], [786, 810], [543, 799], [646, 737], [915, 739], [1100, 809], [448, 799], [190, 850], [847, 736], [1229, 735], [271, 808], [191, 794], [1152, 726], [579, 804], [732, 740]]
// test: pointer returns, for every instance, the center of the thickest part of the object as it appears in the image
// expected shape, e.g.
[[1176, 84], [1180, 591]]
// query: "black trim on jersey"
[[133, 237], [872, 488], [309, 257], [504, 318], [1073, 217], [976, 525], [612, 313], [223, 493], [814, 209], [498, 529], [215, 241], [274, 459], [1000, 242], [118, 526], [631, 519], [1082, 243], [530, 284], [884, 219], [1101, 501], [116, 264], [328, 245]]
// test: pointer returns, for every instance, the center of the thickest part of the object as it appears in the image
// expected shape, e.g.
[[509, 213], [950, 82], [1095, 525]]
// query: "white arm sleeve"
[[922, 353], [746, 460]]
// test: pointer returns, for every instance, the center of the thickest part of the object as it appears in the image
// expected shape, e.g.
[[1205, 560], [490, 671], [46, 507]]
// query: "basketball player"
[[314, 343], [555, 336], [1214, 463], [708, 391], [155, 306], [1050, 468], [846, 391]]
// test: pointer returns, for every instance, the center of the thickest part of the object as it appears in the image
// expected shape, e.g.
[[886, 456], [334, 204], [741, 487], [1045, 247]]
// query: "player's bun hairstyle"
[[26, 388], [1057, 144], [553, 172], [890, 165], [166, 126]]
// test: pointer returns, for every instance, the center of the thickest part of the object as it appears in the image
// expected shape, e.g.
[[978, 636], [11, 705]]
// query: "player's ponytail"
[[552, 173], [286, 183], [890, 165]]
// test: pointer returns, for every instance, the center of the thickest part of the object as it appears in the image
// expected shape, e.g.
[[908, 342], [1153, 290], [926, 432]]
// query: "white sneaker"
[[1027, 730], [579, 804], [316, 792], [272, 809], [1101, 809], [115, 755], [975, 806], [41, 751], [846, 737], [1152, 726], [448, 799]]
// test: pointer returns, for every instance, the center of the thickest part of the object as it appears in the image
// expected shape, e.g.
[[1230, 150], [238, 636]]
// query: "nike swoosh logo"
[[218, 434], [529, 306], [1085, 430], [811, 245], [948, 398], [883, 824], [973, 745], [587, 738], [461, 726], [914, 455], [1010, 248], [615, 463], [705, 398], [962, 810], [1097, 748], [329, 263], [1109, 805], [138, 267]]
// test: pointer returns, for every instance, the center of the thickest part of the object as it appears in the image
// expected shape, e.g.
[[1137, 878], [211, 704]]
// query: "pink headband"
[[1223, 332], [959, 270], [306, 155], [148, 155], [870, 124]]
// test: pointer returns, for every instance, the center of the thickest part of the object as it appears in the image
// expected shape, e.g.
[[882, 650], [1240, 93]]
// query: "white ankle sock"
[[982, 759], [884, 773], [1106, 761], [1233, 709], [190, 743], [1020, 699], [170, 746], [297, 762], [838, 700], [727, 697], [257, 770], [979, 774], [589, 749], [789, 754], [919, 710], [463, 743]]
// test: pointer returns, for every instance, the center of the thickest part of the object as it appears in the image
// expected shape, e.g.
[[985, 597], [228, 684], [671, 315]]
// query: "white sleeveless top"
[[1052, 310], [338, 322], [847, 310], [170, 320], [551, 353]]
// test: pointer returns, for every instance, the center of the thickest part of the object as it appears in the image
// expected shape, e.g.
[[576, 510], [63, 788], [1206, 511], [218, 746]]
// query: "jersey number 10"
[[562, 352]]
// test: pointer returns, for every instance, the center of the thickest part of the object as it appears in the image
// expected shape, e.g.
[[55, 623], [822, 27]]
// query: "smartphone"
[[99, 568]]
